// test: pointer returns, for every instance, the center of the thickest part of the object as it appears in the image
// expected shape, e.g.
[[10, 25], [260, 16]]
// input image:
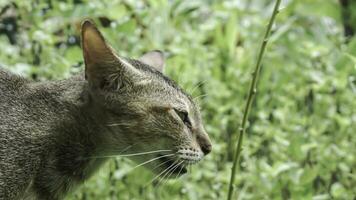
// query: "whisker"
[[200, 96], [144, 153], [197, 86], [177, 165], [179, 172], [161, 164], [171, 173], [115, 124], [160, 174], [113, 150], [132, 154], [161, 180], [151, 160], [125, 149]]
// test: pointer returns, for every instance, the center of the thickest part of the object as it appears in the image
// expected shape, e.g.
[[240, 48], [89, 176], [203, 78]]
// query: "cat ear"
[[153, 58], [103, 67]]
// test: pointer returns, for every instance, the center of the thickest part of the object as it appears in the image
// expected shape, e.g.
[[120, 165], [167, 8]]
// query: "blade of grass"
[[251, 94]]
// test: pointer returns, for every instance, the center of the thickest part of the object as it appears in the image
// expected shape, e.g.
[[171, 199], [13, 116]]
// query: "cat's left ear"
[[104, 69], [154, 59]]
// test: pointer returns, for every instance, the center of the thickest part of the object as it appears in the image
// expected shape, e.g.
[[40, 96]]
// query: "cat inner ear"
[[154, 59], [104, 69]]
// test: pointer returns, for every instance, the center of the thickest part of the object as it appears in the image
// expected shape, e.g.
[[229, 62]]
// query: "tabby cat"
[[56, 134]]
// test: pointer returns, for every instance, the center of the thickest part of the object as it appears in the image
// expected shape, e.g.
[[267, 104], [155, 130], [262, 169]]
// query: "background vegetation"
[[301, 140]]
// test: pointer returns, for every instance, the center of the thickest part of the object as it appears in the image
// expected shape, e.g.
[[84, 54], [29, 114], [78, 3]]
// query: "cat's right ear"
[[104, 69]]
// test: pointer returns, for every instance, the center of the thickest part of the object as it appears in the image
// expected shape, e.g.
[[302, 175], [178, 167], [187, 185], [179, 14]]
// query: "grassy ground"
[[300, 143]]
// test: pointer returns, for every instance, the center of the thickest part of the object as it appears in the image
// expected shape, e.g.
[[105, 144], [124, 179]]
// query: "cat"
[[56, 134]]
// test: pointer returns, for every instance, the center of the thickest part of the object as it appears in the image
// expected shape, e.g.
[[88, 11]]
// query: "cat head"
[[141, 110]]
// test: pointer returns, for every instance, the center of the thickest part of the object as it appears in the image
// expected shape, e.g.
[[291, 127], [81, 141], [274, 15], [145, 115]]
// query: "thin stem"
[[251, 94]]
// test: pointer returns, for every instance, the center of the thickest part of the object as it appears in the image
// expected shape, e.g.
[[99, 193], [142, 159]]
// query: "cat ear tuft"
[[153, 58]]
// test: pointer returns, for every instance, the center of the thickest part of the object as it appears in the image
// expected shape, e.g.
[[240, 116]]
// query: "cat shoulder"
[[9, 80]]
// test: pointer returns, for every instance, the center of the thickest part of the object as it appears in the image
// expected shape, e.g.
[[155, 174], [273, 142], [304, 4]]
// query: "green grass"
[[301, 134]]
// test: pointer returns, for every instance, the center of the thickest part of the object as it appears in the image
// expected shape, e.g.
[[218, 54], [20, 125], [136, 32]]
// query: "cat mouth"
[[172, 166]]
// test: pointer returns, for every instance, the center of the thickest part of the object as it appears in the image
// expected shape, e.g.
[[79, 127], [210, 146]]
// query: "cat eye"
[[183, 115]]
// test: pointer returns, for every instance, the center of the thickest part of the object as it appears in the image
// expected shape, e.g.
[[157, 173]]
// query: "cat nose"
[[205, 143], [206, 148]]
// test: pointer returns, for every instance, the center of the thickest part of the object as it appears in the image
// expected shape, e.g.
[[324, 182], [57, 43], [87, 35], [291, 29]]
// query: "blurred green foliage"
[[301, 140]]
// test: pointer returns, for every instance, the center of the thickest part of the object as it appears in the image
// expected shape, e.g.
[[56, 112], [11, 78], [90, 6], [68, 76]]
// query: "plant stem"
[[252, 93]]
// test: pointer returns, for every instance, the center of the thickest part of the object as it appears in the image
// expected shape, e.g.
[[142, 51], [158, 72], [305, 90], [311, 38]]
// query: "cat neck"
[[69, 134]]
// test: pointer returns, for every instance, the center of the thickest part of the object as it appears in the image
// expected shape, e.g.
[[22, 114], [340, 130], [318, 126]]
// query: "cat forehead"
[[179, 95], [157, 75]]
